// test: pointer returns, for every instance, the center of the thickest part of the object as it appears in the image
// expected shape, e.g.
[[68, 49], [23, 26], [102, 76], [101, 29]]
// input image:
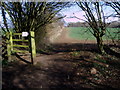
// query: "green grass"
[[82, 33]]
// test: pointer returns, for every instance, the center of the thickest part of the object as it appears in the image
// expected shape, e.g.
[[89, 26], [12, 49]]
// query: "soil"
[[68, 65]]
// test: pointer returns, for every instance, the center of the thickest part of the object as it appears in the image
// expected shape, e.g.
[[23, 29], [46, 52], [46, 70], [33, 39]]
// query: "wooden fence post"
[[11, 41], [8, 46], [33, 47]]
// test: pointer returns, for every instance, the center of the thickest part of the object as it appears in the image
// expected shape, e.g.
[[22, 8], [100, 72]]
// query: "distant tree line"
[[113, 24]]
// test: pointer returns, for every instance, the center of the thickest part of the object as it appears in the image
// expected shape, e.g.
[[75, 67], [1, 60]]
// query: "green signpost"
[[11, 45]]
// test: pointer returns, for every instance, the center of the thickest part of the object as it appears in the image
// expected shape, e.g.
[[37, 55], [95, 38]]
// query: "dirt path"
[[51, 71], [59, 70]]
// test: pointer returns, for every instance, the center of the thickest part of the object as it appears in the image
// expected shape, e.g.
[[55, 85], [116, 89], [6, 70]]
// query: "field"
[[82, 33]]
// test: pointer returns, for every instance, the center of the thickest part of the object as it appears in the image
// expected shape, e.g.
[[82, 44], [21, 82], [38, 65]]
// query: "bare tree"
[[31, 16], [115, 6], [95, 17]]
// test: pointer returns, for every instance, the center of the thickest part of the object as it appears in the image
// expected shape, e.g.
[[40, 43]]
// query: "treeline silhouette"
[[114, 24]]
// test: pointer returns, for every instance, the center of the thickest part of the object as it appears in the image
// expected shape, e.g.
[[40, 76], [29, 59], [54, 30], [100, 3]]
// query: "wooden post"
[[8, 46], [33, 47], [11, 41]]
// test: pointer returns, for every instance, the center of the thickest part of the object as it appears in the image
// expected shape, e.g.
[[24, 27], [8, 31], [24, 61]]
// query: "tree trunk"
[[100, 45]]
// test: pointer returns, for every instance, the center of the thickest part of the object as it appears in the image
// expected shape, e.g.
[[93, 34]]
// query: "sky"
[[72, 11], [76, 11]]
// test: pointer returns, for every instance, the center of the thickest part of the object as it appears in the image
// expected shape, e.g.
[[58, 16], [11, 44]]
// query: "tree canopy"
[[30, 16]]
